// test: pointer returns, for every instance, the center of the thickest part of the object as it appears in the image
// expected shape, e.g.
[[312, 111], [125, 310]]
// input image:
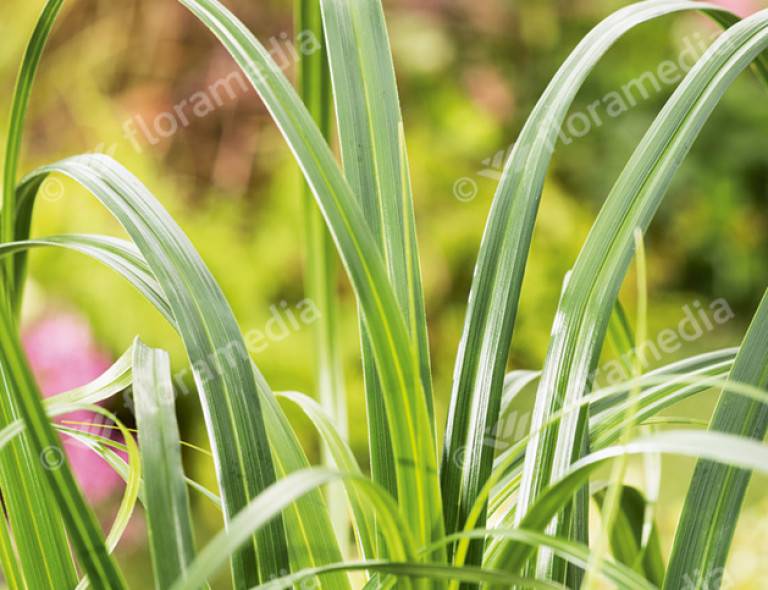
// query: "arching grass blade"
[[84, 530], [495, 292], [277, 498], [596, 277], [396, 358], [217, 352]]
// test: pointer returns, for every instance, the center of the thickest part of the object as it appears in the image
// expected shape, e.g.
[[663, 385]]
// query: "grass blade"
[[43, 531], [612, 504], [132, 481], [343, 460], [19, 107], [375, 165], [511, 460], [320, 275], [131, 472], [84, 530], [24, 486], [277, 498], [220, 362], [416, 570], [724, 448], [494, 296], [627, 532], [106, 448], [9, 559], [396, 358], [165, 491], [308, 526], [574, 553], [321, 272], [112, 381], [609, 421], [596, 277], [716, 493], [308, 519], [117, 254]]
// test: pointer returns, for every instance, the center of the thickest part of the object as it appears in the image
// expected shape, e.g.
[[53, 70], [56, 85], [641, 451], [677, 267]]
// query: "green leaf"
[[498, 276], [8, 559], [375, 164], [321, 266], [343, 460], [19, 107], [84, 531], [23, 486], [308, 526], [627, 535], [573, 552], [396, 358], [614, 496], [505, 478], [715, 496], [132, 481], [220, 362], [724, 448], [271, 502], [106, 449], [165, 491], [607, 424], [117, 254], [307, 521], [602, 263], [507, 468], [112, 381], [431, 571]]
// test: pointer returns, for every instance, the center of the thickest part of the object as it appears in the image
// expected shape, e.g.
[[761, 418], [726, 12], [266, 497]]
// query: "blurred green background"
[[469, 73]]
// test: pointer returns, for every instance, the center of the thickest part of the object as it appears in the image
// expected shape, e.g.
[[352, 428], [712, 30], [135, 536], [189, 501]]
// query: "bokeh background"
[[469, 73]]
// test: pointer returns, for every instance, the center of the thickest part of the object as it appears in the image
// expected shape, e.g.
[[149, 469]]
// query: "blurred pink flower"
[[63, 355]]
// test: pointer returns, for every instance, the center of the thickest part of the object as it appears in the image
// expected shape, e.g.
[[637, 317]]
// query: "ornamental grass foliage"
[[438, 509]]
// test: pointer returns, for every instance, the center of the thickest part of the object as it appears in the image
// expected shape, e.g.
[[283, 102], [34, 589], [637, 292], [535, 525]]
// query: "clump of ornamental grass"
[[437, 509]]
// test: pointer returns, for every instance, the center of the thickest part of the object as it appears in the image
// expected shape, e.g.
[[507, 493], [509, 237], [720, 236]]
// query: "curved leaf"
[[716, 493], [307, 520], [165, 492], [343, 460], [396, 359], [498, 276], [274, 500], [574, 553], [229, 394], [626, 535], [430, 571], [724, 448], [46, 450], [596, 277], [117, 254], [375, 164]]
